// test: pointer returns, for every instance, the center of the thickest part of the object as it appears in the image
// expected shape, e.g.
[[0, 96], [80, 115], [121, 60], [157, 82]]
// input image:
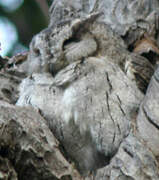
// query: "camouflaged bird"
[[78, 82]]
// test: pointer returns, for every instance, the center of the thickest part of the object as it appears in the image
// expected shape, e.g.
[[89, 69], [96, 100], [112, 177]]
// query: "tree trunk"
[[83, 110]]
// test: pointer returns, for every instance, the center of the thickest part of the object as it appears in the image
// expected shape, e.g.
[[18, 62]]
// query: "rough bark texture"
[[148, 117], [83, 110]]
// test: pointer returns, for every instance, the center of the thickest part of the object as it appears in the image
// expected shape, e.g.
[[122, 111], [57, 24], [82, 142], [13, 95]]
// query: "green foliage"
[[29, 19]]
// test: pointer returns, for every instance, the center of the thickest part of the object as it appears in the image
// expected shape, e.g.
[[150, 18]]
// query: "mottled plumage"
[[78, 50]]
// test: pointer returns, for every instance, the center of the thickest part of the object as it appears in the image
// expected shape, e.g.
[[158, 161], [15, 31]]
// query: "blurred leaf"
[[29, 20]]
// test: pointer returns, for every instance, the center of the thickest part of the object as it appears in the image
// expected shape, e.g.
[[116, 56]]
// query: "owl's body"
[[86, 96], [82, 111]]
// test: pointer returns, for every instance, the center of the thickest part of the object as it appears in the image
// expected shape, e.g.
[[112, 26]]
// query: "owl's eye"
[[36, 51], [69, 41], [66, 12]]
